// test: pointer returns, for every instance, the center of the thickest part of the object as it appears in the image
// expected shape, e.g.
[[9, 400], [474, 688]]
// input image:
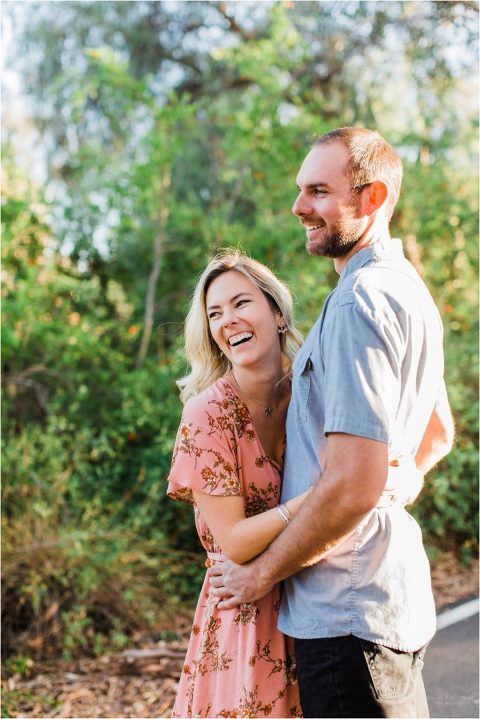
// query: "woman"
[[240, 340]]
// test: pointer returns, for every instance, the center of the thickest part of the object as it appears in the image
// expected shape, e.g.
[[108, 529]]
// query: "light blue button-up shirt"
[[371, 366]]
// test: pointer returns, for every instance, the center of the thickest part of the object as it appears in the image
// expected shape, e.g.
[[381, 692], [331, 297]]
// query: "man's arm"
[[242, 538], [353, 480]]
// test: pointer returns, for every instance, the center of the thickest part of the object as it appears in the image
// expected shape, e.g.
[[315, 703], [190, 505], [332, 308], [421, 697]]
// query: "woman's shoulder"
[[213, 400]]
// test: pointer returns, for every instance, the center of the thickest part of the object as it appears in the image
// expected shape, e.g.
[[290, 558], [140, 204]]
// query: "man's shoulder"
[[385, 272], [386, 294], [385, 284]]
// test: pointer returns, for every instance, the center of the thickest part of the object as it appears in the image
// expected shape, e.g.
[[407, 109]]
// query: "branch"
[[161, 651], [22, 379], [234, 26], [155, 271], [75, 275]]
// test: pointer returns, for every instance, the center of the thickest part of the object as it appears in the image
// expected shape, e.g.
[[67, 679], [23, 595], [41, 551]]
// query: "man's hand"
[[235, 584]]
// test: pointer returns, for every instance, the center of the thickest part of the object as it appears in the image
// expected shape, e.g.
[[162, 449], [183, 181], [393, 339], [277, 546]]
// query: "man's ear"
[[374, 197]]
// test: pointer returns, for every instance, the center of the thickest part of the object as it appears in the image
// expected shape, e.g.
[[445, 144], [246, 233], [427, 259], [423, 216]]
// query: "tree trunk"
[[156, 266]]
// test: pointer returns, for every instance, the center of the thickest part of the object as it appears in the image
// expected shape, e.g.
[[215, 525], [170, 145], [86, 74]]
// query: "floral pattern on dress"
[[245, 613], [259, 499], [238, 664]]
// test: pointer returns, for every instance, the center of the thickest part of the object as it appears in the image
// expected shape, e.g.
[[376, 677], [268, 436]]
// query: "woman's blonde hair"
[[206, 360]]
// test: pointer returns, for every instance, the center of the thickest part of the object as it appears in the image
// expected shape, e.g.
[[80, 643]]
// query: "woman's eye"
[[213, 315], [242, 302]]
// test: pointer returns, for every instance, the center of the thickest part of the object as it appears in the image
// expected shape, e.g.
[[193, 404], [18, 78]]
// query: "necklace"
[[267, 409]]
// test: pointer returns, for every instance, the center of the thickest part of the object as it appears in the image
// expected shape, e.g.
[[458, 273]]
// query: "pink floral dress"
[[238, 664]]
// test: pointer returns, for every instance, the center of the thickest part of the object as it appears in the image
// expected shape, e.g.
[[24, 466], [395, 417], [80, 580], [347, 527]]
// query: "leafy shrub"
[[87, 447]]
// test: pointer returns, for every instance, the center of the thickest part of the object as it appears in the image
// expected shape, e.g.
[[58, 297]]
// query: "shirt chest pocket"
[[303, 385]]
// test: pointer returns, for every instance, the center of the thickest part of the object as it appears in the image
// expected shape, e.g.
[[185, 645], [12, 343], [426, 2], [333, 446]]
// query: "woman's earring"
[[282, 329]]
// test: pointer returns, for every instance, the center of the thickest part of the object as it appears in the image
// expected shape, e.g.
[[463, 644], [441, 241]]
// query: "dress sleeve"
[[205, 456]]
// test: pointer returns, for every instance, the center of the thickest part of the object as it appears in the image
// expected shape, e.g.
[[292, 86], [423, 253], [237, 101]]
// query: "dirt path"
[[141, 681]]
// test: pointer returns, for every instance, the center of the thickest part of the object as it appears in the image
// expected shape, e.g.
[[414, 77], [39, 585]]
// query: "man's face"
[[327, 207]]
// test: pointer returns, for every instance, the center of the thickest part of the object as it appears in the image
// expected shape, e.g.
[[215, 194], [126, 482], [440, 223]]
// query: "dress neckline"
[[276, 465]]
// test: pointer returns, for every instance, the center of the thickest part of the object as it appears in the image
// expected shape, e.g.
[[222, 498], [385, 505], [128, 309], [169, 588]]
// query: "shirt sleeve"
[[362, 355], [205, 453]]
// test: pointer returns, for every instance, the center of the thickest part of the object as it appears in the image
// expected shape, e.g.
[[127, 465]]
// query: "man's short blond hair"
[[371, 158]]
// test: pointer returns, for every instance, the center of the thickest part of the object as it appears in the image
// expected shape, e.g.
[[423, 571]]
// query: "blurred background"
[[138, 138]]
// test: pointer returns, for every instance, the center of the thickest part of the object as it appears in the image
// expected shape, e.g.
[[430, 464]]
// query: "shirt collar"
[[378, 251]]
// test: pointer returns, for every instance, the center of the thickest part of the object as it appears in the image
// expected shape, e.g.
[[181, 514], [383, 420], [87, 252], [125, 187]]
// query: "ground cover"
[[141, 680]]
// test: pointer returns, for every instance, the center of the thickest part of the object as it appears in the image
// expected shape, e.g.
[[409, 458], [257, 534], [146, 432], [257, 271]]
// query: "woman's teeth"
[[238, 339]]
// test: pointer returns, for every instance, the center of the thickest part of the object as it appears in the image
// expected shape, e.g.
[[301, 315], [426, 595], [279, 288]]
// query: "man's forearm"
[[328, 516]]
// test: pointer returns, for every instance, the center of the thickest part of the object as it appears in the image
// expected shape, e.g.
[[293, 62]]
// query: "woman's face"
[[242, 322]]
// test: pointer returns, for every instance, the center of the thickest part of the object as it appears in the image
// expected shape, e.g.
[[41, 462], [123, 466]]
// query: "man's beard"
[[338, 242]]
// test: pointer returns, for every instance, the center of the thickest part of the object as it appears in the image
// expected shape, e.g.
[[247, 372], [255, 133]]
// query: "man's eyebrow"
[[235, 297], [313, 185]]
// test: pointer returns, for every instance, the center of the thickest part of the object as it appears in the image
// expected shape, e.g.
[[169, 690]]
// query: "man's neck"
[[369, 238]]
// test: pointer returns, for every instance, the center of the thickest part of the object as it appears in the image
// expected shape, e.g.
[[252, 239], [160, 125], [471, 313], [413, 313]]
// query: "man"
[[367, 389]]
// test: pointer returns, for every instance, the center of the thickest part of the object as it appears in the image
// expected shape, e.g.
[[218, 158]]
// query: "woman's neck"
[[262, 386]]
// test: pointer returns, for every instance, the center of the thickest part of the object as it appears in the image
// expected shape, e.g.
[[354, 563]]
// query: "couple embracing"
[[299, 460]]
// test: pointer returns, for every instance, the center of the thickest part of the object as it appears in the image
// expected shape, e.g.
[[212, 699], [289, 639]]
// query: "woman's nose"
[[229, 317]]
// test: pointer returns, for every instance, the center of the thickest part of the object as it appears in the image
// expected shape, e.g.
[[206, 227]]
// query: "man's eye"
[[318, 191]]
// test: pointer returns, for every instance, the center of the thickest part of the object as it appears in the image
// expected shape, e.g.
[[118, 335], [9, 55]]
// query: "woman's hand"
[[404, 482]]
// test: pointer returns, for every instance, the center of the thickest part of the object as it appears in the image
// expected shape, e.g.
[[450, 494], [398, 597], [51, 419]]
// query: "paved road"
[[451, 671]]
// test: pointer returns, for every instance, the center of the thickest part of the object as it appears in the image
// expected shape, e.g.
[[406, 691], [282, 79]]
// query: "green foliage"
[[20, 665], [13, 701], [168, 145], [86, 449], [441, 238]]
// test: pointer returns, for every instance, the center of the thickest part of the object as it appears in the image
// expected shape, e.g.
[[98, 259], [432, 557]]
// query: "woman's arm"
[[436, 442], [242, 538], [439, 434]]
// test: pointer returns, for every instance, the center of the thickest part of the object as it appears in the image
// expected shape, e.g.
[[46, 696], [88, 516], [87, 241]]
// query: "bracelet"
[[284, 513]]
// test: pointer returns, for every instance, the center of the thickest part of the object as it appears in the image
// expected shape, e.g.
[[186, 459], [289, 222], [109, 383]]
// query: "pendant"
[[268, 411]]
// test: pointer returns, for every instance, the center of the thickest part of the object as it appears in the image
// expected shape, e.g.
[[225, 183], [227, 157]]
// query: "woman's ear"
[[374, 197]]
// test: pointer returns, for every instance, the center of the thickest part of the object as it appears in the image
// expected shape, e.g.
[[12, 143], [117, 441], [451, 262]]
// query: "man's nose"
[[300, 207]]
